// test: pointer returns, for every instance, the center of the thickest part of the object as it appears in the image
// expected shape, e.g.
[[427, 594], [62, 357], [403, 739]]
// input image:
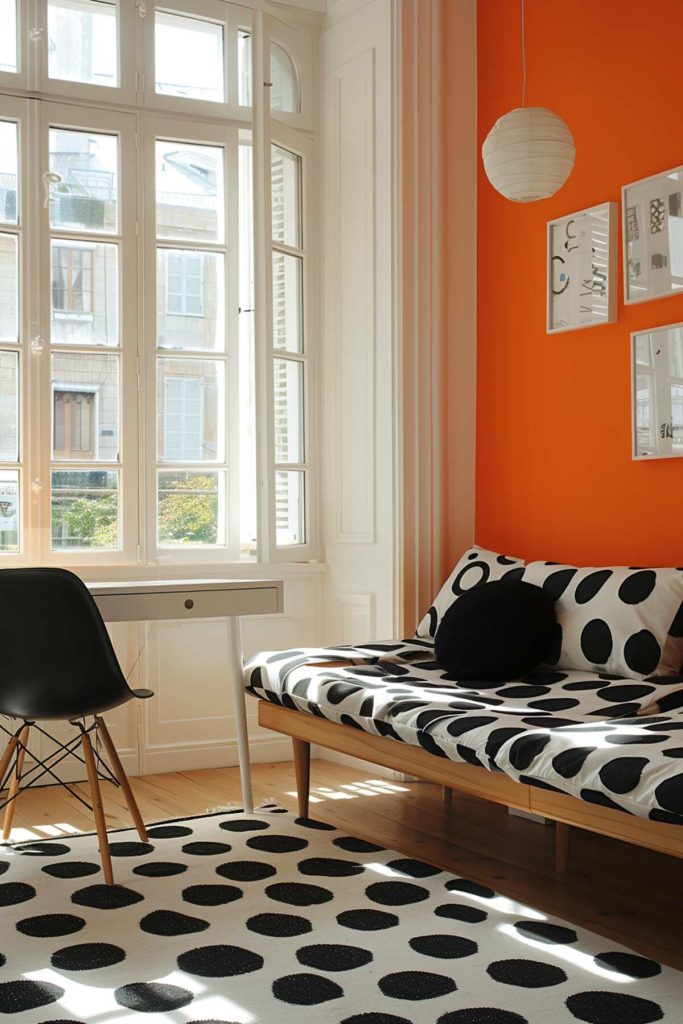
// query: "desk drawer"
[[199, 604]]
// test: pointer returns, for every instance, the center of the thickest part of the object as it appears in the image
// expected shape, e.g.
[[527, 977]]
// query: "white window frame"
[[299, 48]]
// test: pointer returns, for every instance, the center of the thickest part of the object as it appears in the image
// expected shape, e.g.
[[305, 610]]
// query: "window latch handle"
[[50, 178]]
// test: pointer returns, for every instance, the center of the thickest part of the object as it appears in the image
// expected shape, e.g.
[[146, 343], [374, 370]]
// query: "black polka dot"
[[306, 989], [638, 587], [642, 653], [152, 997], [4, 866], [482, 1015], [464, 885], [498, 737], [613, 1008], [622, 774], [88, 956], [396, 894], [12, 893], [415, 985], [106, 897], [513, 574], [330, 867], [170, 922], [616, 693], [526, 749], [375, 1018], [553, 934], [590, 585], [48, 925], [277, 844], [461, 912], [246, 870], [219, 961], [159, 869], [130, 849], [596, 641], [443, 947], [413, 868], [211, 895], [204, 849], [3, 959], [557, 582], [18, 996], [669, 794], [244, 825], [367, 920], [318, 826], [469, 723], [624, 739], [471, 576], [673, 752], [594, 796], [169, 831], [298, 894], [628, 964], [526, 973], [49, 849], [676, 628], [555, 704], [71, 869], [333, 957], [279, 926]]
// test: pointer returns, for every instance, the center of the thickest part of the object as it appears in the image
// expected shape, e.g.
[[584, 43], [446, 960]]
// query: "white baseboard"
[[220, 755]]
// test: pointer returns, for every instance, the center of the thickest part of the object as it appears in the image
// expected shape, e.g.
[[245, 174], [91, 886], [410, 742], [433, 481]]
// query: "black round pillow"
[[499, 630]]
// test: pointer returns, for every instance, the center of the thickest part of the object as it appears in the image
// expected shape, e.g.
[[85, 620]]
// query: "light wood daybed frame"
[[305, 729]]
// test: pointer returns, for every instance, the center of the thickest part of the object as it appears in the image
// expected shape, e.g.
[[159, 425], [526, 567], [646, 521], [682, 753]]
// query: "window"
[[74, 424], [155, 323], [185, 283]]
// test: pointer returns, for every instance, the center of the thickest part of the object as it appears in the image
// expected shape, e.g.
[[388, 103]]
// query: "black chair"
[[57, 663]]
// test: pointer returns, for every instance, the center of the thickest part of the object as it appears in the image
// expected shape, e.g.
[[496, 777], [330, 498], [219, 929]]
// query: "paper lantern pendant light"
[[528, 154]]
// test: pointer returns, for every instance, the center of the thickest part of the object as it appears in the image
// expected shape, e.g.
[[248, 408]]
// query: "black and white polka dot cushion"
[[476, 566], [620, 620], [560, 730]]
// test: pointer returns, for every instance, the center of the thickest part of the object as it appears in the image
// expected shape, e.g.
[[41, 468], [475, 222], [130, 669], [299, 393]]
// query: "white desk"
[[150, 600]]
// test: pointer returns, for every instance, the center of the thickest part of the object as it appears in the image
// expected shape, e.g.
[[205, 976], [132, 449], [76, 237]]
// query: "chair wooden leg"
[[302, 769], [562, 837], [120, 773], [96, 797], [6, 758], [13, 788]]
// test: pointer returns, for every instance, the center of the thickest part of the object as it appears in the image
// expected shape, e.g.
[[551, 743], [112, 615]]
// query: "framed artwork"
[[653, 237], [657, 392], [582, 269]]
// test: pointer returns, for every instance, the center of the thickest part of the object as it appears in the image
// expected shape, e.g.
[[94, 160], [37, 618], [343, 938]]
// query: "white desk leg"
[[240, 710]]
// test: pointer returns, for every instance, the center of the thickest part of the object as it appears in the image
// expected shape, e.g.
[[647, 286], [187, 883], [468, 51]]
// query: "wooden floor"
[[622, 892]]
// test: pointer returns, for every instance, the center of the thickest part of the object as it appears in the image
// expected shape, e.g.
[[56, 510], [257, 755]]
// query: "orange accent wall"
[[554, 472]]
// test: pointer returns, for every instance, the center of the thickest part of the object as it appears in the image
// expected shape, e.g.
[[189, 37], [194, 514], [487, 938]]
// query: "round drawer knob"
[[189, 603]]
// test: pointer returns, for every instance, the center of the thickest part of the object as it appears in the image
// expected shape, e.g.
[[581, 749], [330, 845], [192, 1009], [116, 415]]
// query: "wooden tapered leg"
[[96, 797], [302, 768], [13, 788], [562, 836], [6, 758], [120, 773]]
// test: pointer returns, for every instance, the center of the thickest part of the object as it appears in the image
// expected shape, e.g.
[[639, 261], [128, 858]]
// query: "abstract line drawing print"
[[632, 229], [656, 216]]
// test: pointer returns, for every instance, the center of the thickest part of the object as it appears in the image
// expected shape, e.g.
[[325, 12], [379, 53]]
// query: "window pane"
[[8, 39], [190, 299], [243, 68], [189, 58], [82, 41], [287, 326], [191, 508], [85, 398], [8, 170], [288, 384], [189, 192], [289, 508], [9, 406], [86, 197], [9, 280], [285, 173], [9, 510], [191, 410], [85, 509], [85, 293], [284, 91]]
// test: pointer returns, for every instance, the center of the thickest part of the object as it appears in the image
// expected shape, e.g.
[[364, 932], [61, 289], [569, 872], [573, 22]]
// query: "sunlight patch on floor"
[[570, 956]]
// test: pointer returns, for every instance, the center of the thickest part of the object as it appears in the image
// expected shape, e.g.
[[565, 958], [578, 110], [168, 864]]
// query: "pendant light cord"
[[523, 55]]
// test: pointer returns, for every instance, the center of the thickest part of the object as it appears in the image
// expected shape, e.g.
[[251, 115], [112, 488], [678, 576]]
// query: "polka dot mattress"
[[571, 731]]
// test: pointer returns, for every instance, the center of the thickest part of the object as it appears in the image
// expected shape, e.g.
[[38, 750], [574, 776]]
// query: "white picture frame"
[[581, 272], [653, 237], [657, 393]]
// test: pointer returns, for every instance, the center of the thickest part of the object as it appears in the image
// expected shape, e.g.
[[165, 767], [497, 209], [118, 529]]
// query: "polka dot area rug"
[[266, 919]]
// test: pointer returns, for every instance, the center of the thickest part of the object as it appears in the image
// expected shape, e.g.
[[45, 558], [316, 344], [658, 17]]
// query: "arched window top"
[[284, 94]]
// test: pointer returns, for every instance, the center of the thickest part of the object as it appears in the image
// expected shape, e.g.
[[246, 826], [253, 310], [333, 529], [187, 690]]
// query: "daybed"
[[565, 741]]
